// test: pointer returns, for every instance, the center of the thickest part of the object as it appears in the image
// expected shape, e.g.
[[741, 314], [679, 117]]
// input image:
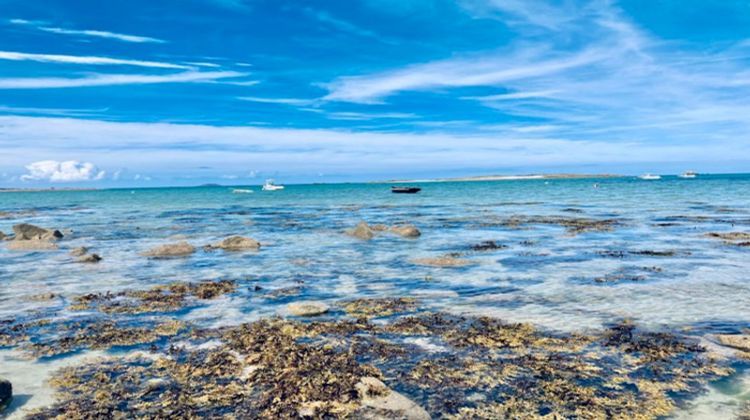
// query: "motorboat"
[[242, 191], [650, 177], [270, 186], [688, 174], [405, 190]]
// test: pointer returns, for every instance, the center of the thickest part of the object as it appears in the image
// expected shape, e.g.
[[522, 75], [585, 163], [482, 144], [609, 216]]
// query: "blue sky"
[[234, 91]]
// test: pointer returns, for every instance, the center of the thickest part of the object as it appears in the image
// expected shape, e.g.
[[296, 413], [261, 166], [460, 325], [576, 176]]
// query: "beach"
[[509, 298]]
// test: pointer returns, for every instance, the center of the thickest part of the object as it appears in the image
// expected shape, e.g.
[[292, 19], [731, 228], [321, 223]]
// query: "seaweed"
[[168, 298]]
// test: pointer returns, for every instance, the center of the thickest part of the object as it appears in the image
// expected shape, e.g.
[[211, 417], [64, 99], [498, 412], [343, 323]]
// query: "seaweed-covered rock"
[[236, 243], [25, 231], [362, 231], [6, 393], [307, 308], [488, 246], [179, 249], [79, 252], [443, 261], [89, 258], [407, 231]]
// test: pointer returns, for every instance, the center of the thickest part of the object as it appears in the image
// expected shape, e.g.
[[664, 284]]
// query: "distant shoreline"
[[500, 178]]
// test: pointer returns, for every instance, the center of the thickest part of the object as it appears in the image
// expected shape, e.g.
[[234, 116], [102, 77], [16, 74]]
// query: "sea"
[[654, 264]]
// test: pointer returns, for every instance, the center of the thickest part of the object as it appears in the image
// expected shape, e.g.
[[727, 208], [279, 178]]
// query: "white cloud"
[[89, 33], [115, 79], [89, 60], [173, 150], [68, 171]]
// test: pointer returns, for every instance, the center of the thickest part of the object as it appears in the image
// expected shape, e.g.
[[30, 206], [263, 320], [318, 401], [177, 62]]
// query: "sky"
[[147, 93]]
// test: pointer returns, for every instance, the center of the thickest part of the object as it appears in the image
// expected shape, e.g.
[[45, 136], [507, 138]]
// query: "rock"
[[362, 231], [735, 341], [32, 245], [89, 258], [379, 227], [237, 243], [444, 261], [79, 252], [179, 249], [376, 395], [25, 231], [2, 236], [407, 231], [6, 394], [307, 308]]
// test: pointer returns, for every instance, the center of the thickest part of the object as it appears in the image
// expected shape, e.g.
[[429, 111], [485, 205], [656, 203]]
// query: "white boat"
[[649, 177], [688, 174], [270, 186], [241, 191]]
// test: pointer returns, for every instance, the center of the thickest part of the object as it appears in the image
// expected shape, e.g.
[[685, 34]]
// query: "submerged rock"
[[730, 236], [362, 231], [307, 308], [6, 394], [407, 231], [25, 231], [179, 249], [89, 258], [443, 261], [2, 235], [79, 252], [32, 245], [236, 243]]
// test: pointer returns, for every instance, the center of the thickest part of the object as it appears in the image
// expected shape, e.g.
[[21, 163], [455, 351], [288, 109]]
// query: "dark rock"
[[6, 393]]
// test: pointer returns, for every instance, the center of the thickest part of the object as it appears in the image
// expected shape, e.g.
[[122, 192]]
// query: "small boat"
[[649, 177], [405, 190], [270, 186], [241, 191], [688, 174]]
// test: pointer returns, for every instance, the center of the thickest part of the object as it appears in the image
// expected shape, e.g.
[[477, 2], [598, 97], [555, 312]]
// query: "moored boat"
[[688, 174], [649, 177], [405, 190], [270, 186]]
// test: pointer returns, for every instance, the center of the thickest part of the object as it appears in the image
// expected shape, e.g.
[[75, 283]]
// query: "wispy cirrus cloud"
[[486, 70], [87, 32], [115, 80], [282, 101], [87, 60], [588, 72]]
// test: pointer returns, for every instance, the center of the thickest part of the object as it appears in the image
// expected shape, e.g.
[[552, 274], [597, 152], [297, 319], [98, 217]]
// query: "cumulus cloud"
[[67, 171]]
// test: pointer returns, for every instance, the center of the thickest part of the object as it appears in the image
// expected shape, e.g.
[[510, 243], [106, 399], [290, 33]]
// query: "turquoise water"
[[545, 274]]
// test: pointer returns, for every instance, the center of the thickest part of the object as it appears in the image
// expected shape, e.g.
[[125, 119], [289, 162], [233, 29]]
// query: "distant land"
[[501, 178]]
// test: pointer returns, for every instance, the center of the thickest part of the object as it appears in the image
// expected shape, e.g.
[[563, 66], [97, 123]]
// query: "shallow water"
[[546, 274]]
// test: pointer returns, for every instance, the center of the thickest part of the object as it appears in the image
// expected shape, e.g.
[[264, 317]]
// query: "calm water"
[[545, 275]]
